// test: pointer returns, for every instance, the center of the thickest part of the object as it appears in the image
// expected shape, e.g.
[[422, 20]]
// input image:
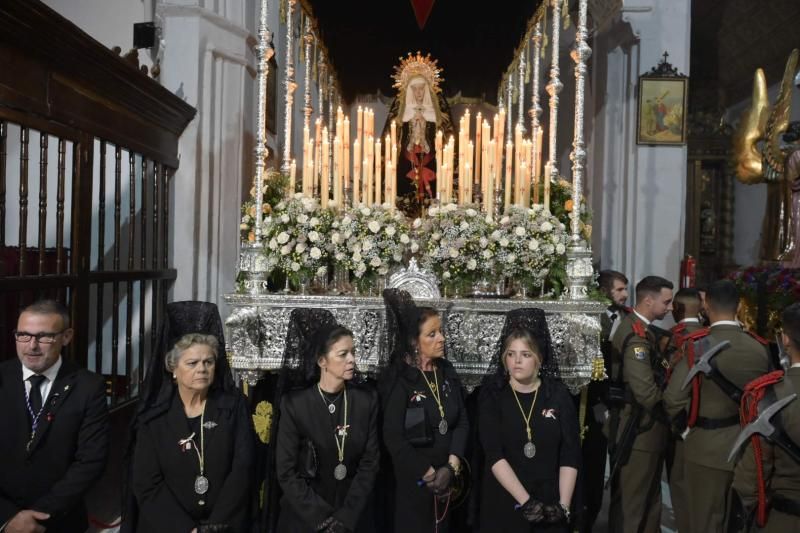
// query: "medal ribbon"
[[530, 412], [434, 391], [340, 444]]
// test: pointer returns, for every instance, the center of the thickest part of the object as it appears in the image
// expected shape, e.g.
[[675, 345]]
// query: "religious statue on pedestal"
[[417, 113], [760, 158]]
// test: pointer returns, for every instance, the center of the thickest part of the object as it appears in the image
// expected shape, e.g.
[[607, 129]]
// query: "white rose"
[[360, 268], [451, 207], [300, 248], [336, 238], [484, 242], [404, 238], [356, 247], [488, 219], [315, 252], [295, 266], [533, 245], [285, 249], [347, 234], [505, 220], [446, 275], [471, 212], [436, 236], [302, 219], [285, 218], [464, 226], [314, 222], [519, 231], [560, 248], [546, 227], [356, 257], [472, 264], [390, 230], [374, 226], [339, 256], [503, 242], [273, 244], [375, 262], [452, 252], [397, 258], [283, 237], [510, 258], [496, 234], [414, 247], [367, 245], [417, 223], [548, 249], [321, 271], [383, 271], [313, 236], [346, 221], [487, 254], [365, 211]]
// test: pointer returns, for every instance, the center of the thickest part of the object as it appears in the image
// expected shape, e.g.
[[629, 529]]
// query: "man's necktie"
[[36, 393]]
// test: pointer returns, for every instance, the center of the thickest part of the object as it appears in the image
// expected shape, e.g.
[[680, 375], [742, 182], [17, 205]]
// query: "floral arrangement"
[[529, 241], [458, 242], [297, 237], [562, 204], [273, 187], [781, 287], [370, 240]]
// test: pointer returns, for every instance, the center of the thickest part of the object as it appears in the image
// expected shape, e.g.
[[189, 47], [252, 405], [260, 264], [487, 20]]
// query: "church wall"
[[751, 200], [638, 191]]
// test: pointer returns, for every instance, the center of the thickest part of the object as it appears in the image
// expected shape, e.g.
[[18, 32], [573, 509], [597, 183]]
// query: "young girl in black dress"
[[528, 430]]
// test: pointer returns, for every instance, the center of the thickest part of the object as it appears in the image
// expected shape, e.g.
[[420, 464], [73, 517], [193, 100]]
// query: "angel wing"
[[778, 121], [750, 131]]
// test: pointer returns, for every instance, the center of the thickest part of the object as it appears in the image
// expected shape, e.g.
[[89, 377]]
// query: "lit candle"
[[359, 127], [477, 161], [337, 165], [439, 161], [468, 180], [509, 169], [317, 151], [389, 188], [304, 162], [547, 171], [393, 130], [292, 176], [378, 164], [325, 166], [346, 150], [356, 172]]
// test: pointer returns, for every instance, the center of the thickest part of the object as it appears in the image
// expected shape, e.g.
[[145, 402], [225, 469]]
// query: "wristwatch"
[[565, 508]]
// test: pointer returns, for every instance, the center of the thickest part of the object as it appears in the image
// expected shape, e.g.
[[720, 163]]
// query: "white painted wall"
[[638, 192]]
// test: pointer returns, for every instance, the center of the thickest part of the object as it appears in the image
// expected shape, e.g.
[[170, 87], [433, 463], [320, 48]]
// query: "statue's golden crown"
[[413, 66]]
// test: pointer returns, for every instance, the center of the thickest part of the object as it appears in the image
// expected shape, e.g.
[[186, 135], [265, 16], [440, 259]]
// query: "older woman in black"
[[425, 423], [192, 465], [327, 451], [528, 429]]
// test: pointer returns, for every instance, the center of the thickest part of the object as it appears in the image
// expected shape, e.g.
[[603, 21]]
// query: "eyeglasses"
[[42, 338]]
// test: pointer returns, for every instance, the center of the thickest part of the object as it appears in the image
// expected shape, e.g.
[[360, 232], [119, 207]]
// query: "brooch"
[[417, 397], [210, 424], [549, 413]]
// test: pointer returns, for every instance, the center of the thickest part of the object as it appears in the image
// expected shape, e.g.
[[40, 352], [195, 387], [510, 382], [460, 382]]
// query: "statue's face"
[[419, 92]]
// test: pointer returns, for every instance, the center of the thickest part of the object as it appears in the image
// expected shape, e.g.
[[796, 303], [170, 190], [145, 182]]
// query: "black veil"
[[402, 322], [157, 389], [533, 321]]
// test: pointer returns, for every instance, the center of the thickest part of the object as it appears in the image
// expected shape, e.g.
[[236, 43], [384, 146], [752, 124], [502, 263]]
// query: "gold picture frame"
[[662, 106]]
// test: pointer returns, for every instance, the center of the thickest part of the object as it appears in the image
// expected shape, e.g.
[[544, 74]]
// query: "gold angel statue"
[[761, 158]]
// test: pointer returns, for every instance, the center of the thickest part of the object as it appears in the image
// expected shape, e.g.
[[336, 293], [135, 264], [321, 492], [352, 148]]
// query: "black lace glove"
[[336, 527], [533, 511], [442, 479], [214, 528], [554, 513]]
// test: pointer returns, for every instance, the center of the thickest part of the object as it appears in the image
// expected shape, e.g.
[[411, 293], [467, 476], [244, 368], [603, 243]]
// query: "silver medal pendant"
[[443, 427], [331, 408], [529, 450], [340, 472], [201, 484]]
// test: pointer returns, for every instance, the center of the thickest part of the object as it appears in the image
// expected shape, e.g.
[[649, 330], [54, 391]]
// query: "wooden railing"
[[95, 142]]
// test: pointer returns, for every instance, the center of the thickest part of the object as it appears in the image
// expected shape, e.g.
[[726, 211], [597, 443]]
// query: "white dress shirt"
[[47, 384]]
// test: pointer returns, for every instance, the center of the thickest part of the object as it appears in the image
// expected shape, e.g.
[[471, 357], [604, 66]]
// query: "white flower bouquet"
[[458, 243], [370, 241], [297, 238], [529, 242]]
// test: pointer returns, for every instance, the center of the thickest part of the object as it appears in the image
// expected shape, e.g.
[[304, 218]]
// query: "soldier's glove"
[[442, 480], [214, 528], [533, 511], [554, 513]]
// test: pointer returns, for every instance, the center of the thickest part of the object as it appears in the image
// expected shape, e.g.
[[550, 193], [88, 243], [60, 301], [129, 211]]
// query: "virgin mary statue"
[[418, 111]]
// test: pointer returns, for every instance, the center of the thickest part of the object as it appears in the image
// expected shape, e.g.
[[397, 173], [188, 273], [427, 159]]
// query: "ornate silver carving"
[[253, 268], [418, 282], [290, 86], [308, 109], [553, 89], [256, 331], [521, 87], [510, 113], [264, 53]]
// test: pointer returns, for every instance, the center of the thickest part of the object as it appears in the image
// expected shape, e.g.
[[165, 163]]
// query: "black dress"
[[164, 473], [414, 504], [501, 429], [307, 503]]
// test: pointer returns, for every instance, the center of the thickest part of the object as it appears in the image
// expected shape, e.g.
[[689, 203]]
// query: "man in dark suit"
[[54, 427]]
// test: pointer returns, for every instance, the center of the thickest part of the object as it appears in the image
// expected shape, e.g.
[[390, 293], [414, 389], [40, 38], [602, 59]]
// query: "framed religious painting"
[[662, 106]]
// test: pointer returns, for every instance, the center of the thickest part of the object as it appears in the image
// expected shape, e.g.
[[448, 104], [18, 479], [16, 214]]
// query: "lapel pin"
[[210, 424], [66, 387]]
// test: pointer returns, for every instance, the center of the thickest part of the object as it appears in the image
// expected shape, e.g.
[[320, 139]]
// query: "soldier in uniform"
[[713, 408], [637, 428], [614, 286], [686, 312], [780, 470]]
